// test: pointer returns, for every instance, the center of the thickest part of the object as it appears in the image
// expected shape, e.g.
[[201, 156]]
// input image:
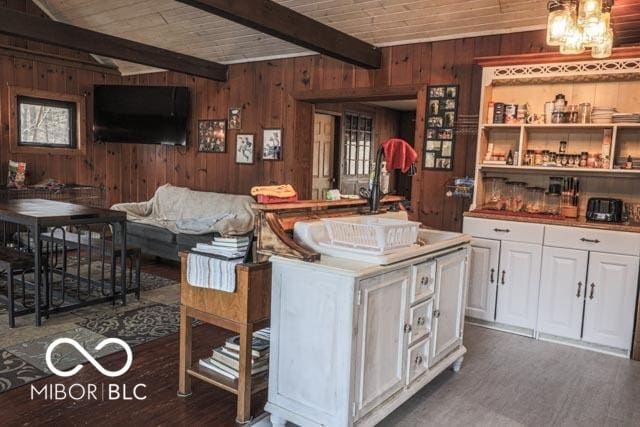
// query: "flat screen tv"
[[140, 114]]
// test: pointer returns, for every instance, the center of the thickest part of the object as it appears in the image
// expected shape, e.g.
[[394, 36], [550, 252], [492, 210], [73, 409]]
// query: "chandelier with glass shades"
[[577, 25]]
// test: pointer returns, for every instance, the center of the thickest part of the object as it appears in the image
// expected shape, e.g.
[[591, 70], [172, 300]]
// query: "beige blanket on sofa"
[[182, 210]]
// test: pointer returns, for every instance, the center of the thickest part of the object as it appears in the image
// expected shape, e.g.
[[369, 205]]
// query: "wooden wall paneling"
[[432, 198], [420, 180], [402, 58], [463, 74], [420, 62]]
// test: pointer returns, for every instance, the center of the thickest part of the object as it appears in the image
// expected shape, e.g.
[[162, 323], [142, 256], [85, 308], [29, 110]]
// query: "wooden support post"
[[184, 380], [244, 381]]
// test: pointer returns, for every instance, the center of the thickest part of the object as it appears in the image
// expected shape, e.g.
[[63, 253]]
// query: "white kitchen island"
[[352, 341]]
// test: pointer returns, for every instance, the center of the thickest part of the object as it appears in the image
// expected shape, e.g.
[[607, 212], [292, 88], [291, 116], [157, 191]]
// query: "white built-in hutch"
[[564, 280]]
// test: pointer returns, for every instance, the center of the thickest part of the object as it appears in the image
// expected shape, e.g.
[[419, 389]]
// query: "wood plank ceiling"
[[181, 28], [175, 26]]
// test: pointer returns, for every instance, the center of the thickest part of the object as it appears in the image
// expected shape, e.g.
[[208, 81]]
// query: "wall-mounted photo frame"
[[441, 121], [272, 144], [235, 118], [212, 136], [245, 148]]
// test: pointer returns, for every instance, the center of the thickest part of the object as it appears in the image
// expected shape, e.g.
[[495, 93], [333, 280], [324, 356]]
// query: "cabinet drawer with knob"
[[420, 318], [423, 284], [417, 360]]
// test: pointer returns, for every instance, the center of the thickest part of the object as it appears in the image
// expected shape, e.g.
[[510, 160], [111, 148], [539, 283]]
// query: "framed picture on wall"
[[245, 148], [235, 118], [441, 121], [272, 144], [212, 136]]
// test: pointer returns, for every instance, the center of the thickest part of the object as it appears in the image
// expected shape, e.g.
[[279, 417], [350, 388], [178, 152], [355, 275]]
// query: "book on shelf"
[[259, 346], [229, 242], [229, 253], [234, 362], [207, 363], [264, 333], [236, 355]]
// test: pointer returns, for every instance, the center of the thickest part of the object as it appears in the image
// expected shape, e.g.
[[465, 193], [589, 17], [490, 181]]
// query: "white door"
[[518, 284], [483, 279], [323, 143], [448, 314], [381, 338], [611, 298], [562, 290]]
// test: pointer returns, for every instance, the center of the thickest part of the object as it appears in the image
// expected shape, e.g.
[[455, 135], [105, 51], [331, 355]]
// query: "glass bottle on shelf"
[[510, 158]]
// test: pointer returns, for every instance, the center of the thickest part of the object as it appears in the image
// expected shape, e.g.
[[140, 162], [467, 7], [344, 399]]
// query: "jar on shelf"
[[528, 158], [584, 159], [538, 159], [545, 157], [535, 200], [515, 200], [552, 203], [584, 113], [557, 117], [555, 184], [494, 193]]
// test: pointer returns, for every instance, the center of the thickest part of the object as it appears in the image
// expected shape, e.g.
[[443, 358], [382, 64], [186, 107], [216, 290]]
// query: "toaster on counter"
[[604, 210]]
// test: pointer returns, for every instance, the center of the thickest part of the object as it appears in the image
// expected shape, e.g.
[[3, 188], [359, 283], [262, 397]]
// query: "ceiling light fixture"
[[576, 25]]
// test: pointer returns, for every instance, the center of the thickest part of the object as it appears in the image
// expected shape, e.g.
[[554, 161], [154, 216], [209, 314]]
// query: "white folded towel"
[[212, 273]]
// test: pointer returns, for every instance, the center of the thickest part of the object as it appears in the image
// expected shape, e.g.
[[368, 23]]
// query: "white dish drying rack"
[[371, 234]]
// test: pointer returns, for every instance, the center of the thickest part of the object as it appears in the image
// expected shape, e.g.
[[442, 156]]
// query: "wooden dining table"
[[39, 215]]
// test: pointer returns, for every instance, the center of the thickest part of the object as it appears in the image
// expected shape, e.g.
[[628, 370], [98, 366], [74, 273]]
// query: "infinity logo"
[[89, 358]]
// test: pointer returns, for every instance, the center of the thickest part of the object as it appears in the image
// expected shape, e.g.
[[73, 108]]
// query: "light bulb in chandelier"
[[604, 49], [573, 43], [589, 12], [562, 17]]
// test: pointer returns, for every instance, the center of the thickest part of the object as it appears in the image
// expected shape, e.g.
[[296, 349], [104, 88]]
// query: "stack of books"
[[226, 247], [225, 360]]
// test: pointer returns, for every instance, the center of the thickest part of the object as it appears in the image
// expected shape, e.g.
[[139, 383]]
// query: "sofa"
[[177, 218]]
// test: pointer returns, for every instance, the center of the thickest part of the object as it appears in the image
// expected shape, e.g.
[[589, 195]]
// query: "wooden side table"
[[243, 312]]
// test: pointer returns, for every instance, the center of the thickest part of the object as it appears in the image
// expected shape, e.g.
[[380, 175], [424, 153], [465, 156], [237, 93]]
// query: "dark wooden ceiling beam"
[[56, 33], [279, 21]]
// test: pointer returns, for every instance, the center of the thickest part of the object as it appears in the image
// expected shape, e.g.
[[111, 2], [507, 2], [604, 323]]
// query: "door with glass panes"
[[357, 142]]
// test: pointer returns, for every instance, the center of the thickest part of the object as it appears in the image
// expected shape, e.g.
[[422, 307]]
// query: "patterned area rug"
[[22, 350]]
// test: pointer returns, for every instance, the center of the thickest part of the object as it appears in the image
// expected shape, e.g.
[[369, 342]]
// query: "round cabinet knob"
[[407, 328], [421, 321], [419, 359]]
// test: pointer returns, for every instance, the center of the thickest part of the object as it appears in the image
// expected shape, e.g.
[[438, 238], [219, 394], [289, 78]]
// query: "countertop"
[[567, 222]]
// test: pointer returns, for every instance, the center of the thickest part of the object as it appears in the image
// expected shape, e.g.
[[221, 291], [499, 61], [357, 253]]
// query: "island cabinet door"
[[518, 284], [381, 339], [483, 279], [611, 297], [562, 289], [449, 300]]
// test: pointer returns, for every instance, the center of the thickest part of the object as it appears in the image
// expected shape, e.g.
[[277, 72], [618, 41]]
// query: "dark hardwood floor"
[[154, 364]]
